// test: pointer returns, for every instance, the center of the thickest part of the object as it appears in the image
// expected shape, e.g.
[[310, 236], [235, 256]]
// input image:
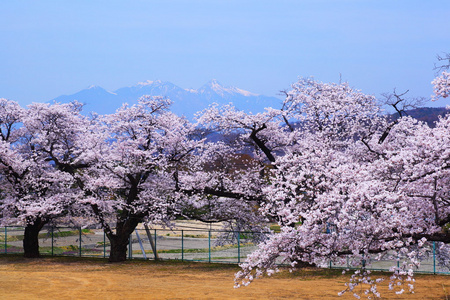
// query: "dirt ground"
[[69, 278]]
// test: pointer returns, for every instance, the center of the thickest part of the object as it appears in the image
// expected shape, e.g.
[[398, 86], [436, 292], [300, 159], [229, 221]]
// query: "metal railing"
[[178, 244]]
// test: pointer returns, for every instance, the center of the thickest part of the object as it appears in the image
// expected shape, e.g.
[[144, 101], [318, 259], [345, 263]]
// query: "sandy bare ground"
[[69, 278]]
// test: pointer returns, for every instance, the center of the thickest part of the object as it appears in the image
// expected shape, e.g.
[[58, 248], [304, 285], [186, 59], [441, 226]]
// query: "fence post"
[[52, 238], [434, 257], [239, 246], [209, 246], [79, 250], [182, 245], [104, 244], [156, 249], [130, 248], [6, 239]]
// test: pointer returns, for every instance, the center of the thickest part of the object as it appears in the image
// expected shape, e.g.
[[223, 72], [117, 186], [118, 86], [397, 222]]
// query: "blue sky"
[[49, 48]]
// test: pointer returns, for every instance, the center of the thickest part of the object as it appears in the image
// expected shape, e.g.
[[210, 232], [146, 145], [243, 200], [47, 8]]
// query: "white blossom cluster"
[[441, 86]]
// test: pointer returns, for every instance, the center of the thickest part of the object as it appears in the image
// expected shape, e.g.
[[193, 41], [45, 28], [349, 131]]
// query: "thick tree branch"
[[261, 144]]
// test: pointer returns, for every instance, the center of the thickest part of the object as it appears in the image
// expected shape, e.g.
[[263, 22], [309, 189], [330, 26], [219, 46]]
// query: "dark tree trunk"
[[31, 238], [125, 225], [120, 240], [119, 246]]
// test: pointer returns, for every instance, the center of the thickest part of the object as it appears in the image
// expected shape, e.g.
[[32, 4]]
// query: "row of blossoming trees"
[[141, 164], [336, 174]]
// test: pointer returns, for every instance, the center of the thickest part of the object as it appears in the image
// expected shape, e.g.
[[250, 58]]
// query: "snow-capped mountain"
[[213, 89], [185, 101]]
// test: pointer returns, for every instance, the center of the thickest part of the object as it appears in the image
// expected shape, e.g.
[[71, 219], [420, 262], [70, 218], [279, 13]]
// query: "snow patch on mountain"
[[245, 93], [97, 89], [149, 82], [217, 88]]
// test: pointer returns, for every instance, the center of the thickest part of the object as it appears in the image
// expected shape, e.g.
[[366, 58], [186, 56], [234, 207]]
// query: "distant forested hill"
[[425, 114]]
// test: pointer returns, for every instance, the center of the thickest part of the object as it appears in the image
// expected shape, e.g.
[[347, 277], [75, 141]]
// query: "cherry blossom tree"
[[134, 177], [357, 185], [38, 145]]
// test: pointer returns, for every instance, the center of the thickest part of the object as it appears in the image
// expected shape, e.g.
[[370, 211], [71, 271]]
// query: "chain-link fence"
[[186, 245], [192, 244]]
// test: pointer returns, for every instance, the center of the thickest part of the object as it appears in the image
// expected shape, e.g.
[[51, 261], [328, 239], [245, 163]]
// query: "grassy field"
[[75, 278]]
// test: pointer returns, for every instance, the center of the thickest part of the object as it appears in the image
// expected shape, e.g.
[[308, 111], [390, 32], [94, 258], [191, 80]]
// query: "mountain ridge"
[[186, 102]]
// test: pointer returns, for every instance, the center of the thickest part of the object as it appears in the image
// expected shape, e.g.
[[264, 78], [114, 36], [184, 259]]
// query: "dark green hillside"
[[426, 114]]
